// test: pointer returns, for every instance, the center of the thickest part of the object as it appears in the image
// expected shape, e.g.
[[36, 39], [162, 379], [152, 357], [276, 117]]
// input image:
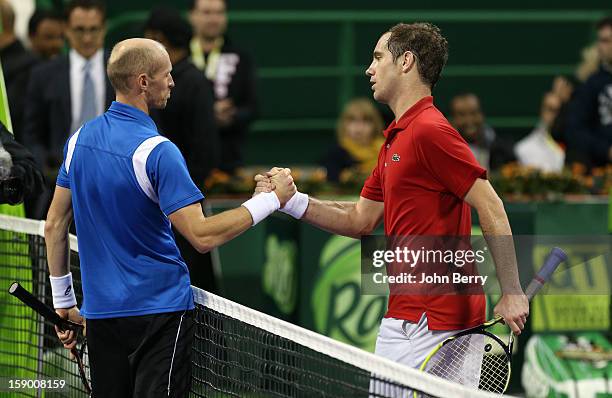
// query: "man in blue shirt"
[[126, 185]]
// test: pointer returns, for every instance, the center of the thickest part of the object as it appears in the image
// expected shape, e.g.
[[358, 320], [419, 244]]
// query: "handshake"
[[277, 180], [276, 191]]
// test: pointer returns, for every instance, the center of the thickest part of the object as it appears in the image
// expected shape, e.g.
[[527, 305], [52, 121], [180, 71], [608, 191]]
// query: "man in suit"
[[68, 91], [232, 73]]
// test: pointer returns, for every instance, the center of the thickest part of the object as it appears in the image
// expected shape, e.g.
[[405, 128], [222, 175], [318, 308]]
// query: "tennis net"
[[237, 352]]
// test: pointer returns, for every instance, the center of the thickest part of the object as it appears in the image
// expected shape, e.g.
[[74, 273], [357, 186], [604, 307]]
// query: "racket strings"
[[495, 372], [473, 360]]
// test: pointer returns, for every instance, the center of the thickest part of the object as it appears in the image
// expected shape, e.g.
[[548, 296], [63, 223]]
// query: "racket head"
[[472, 358]]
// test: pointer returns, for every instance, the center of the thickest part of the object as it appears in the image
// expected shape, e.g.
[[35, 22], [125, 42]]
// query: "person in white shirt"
[[538, 149]]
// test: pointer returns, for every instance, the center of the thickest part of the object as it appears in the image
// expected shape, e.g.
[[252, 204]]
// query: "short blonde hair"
[[365, 109], [128, 60]]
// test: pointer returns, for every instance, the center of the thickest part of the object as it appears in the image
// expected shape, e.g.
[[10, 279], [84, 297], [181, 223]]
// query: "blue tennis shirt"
[[125, 179]]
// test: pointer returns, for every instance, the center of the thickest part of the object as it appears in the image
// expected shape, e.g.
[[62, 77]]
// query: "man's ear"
[[408, 61], [143, 82]]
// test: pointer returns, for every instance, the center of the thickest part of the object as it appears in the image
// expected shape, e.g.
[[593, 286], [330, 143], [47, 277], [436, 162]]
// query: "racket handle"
[[41, 308], [555, 257]]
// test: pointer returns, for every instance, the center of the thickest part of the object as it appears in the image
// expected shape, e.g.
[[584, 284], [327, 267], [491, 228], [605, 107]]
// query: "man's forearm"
[[56, 239], [335, 217], [210, 232], [497, 232]]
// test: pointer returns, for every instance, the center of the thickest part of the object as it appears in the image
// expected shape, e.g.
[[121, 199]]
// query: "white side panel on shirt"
[[139, 162]]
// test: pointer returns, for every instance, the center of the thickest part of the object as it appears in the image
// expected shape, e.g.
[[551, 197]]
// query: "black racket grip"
[[49, 314], [555, 257]]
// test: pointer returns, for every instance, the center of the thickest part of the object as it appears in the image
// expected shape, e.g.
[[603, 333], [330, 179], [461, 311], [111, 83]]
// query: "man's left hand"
[[514, 308]]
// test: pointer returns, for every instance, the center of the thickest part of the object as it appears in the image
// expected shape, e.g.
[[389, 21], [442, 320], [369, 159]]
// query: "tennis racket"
[[477, 357], [63, 324]]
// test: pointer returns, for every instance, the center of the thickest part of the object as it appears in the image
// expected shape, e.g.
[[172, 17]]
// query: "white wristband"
[[262, 205], [63, 291], [296, 206]]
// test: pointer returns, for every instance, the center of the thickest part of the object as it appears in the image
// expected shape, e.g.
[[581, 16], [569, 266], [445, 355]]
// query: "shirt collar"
[[409, 115], [119, 108], [79, 61]]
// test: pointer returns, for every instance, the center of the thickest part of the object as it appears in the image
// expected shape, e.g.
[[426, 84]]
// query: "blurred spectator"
[[588, 64], [46, 33], [16, 64], [359, 132], [467, 117], [67, 91], [563, 89], [232, 74], [590, 114], [188, 120], [539, 149]]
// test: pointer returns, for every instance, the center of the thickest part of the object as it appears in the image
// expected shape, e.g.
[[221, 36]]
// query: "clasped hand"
[[277, 180]]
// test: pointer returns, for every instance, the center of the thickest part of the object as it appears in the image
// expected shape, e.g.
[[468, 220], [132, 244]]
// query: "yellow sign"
[[578, 297]]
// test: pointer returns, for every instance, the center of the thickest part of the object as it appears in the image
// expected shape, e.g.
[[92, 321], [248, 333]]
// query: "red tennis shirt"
[[425, 169]]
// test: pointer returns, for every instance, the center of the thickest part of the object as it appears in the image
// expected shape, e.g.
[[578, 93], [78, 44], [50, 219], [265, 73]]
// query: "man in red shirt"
[[424, 184]]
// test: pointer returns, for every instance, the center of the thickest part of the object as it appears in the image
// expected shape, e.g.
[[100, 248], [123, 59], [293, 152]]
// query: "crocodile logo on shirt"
[[395, 157]]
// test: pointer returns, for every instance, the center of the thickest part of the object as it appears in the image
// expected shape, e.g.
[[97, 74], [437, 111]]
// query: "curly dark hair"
[[426, 42]]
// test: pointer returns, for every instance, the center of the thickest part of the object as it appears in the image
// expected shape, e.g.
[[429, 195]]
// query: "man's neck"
[[207, 44], [407, 98], [136, 101]]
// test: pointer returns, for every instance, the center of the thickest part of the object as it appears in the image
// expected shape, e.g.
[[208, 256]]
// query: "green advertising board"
[[331, 302]]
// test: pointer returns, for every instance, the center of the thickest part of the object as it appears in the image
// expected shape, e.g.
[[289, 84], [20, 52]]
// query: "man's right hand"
[[283, 185], [69, 337]]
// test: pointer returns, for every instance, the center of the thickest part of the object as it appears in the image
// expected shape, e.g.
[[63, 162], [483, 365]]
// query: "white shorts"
[[409, 343]]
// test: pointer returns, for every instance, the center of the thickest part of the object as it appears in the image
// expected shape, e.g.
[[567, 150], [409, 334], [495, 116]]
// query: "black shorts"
[[141, 356]]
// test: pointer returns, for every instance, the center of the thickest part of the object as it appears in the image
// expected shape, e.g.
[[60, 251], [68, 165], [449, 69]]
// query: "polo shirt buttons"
[[385, 164], [388, 146]]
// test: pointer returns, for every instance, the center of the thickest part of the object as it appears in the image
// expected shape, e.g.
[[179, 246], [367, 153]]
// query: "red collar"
[[409, 115]]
